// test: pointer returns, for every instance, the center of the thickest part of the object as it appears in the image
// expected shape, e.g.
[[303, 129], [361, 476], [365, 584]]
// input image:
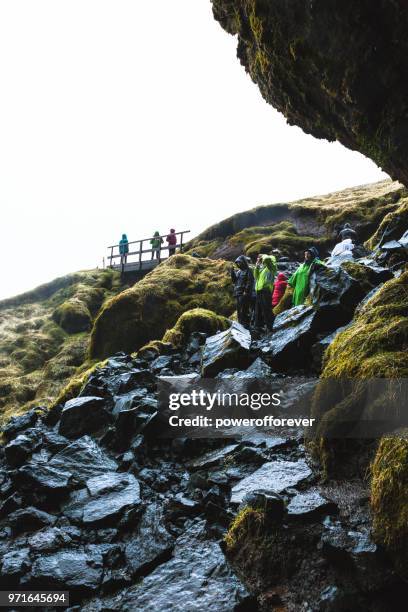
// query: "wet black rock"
[[20, 448], [226, 349], [198, 563], [82, 459], [29, 519], [83, 415], [310, 505], [151, 542], [293, 334], [104, 500], [273, 476], [335, 291], [270, 502], [75, 570], [19, 423], [49, 539], [15, 563], [212, 458], [43, 477]]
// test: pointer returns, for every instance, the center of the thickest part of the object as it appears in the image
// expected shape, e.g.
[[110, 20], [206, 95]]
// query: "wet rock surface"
[[226, 349], [125, 520]]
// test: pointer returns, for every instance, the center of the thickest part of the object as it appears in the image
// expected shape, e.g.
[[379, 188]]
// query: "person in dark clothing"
[[123, 249], [243, 281], [348, 232], [172, 241]]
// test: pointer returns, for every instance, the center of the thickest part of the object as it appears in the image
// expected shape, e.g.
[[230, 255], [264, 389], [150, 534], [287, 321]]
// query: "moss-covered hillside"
[[292, 227], [145, 311], [44, 336], [333, 68]]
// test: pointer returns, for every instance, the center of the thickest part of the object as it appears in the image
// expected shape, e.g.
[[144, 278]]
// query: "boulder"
[[15, 563], [20, 448], [293, 333], [83, 459], [83, 415], [334, 290], [29, 519], [273, 476], [151, 542], [226, 349], [310, 505], [269, 502], [198, 563], [48, 539], [74, 570], [105, 499], [43, 477]]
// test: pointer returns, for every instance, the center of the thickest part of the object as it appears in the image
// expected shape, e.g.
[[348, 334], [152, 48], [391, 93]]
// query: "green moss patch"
[[144, 312], [389, 498], [196, 320]]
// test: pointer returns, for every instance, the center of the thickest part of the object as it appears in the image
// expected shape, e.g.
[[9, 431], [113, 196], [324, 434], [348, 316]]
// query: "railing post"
[[140, 254], [111, 257], [181, 242]]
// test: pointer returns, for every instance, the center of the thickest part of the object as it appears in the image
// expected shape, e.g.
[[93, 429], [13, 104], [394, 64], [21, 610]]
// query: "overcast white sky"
[[131, 116]]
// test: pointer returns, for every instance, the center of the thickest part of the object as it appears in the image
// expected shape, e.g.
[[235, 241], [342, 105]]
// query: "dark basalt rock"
[[319, 348], [44, 477], [20, 448], [310, 505], [293, 334], [271, 503], [273, 476], [78, 571], [332, 68], [83, 415], [106, 498], [334, 291], [15, 563], [29, 519], [226, 349], [49, 539], [151, 542], [198, 563], [19, 423], [83, 459]]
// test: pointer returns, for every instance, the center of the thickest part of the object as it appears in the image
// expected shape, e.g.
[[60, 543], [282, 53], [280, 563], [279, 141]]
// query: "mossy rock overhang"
[[335, 69], [293, 226], [144, 312]]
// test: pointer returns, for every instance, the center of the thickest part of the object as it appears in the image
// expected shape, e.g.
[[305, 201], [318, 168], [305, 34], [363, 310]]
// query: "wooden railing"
[[134, 258]]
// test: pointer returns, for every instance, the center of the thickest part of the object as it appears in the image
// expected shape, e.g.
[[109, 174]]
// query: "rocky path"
[[93, 502]]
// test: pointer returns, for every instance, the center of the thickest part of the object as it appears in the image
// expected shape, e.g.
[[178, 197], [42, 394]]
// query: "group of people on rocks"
[[259, 288], [156, 245]]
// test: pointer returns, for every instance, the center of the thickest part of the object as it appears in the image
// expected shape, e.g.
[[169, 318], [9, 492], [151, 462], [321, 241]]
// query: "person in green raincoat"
[[156, 243], [300, 280], [264, 274]]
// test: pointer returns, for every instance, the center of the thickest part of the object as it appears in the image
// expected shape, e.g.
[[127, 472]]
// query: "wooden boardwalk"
[[140, 259]]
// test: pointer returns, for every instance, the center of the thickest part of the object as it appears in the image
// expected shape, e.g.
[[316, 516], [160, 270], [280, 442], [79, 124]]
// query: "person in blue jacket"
[[123, 249]]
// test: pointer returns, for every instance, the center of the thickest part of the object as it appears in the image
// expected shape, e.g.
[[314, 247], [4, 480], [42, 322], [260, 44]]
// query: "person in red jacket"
[[172, 241], [279, 289]]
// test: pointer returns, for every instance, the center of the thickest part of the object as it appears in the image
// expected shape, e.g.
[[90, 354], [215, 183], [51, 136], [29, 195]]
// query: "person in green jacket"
[[264, 274], [300, 280], [156, 243]]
